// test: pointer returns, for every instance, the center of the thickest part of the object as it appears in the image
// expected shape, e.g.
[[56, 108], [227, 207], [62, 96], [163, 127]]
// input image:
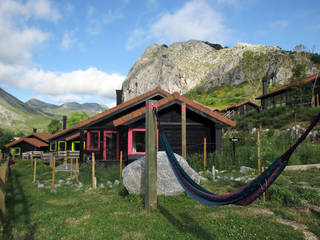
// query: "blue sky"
[[60, 51]]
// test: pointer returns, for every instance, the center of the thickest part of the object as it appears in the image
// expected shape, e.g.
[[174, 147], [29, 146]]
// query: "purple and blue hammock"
[[244, 195]]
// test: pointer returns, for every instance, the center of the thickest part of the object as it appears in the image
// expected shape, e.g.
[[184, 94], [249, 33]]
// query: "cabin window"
[[53, 146], [62, 146], [93, 140], [136, 141]]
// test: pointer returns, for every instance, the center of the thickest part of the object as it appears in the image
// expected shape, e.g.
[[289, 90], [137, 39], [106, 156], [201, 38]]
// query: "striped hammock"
[[244, 195]]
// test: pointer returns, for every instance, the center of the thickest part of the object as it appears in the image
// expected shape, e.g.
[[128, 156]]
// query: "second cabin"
[[122, 128]]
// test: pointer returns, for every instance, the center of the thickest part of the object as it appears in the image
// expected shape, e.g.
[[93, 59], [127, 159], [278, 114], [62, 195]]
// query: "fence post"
[[259, 151], [120, 165], [50, 159], [205, 153], [77, 171], [53, 173], [34, 169], [184, 131], [151, 158], [93, 172]]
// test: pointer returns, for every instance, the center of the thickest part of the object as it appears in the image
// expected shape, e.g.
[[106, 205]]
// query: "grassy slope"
[[37, 213], [27, 120]]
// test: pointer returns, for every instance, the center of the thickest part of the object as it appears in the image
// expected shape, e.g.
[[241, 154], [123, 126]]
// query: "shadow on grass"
[[17, 208], [187, 225]]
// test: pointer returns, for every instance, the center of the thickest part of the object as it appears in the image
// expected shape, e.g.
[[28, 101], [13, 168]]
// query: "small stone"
[[246, 170], [40, 185], [116, 182], [109, 183], [101, 185]]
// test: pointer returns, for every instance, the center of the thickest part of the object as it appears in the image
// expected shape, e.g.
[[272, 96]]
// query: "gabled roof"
[[74, 136], [176, 97], [108, 112], [42, 136], [240, 104], [31, 140], [288, 86]]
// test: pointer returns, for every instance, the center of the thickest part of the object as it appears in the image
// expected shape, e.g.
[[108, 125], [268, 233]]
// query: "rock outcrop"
[[133, 176], [185, 65]]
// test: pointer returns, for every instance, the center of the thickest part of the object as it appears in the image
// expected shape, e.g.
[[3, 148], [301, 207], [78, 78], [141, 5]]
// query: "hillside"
[[18, 116], [200, 69], [66, 108]]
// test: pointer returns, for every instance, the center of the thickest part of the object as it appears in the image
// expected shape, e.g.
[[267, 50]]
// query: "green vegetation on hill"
[[220, 97]]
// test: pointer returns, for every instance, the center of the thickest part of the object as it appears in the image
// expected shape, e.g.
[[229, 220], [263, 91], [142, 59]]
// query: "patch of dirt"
[[215, 216], [300, 227], [73, 221]]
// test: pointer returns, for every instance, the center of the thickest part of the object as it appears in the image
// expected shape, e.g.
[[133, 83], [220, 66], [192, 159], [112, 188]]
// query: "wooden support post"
[[151, 158], [205, 153], [259, 151], [31, 159], [53, 173], [93, 172], [71, 162], [34, 170], [120, 165], [77, 171], [318, 100], [184, 131], [264, 194]]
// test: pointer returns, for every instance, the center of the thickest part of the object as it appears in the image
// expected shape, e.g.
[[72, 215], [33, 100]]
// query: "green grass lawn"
[[110, 213]]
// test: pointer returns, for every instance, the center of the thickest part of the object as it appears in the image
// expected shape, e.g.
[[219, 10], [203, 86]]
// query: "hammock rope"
[[245, 194]]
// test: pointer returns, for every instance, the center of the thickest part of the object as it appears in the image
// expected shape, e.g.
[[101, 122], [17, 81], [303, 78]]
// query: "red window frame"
[[89, 140], [130, 131]]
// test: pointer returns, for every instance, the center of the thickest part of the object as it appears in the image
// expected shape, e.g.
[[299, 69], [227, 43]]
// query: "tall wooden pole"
[[53, 173], [184, 131], [151, 158], [93, 172]]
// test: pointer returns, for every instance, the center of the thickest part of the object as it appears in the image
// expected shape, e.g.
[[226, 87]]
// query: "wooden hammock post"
[[259, 151], [151, 158], [205, 153], [31, 159], [184, 131], [53, 173], [93, 172], [77, 171], [34, 170], [120, 165]]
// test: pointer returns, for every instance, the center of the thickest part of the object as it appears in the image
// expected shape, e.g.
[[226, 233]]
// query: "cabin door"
[[111, 145]]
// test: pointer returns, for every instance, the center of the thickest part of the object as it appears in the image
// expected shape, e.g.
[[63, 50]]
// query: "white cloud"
[[66, 98], [70, 85], [195, 20], [68, 40]]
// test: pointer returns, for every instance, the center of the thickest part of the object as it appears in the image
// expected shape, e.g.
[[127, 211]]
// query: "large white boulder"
[[167, 184]]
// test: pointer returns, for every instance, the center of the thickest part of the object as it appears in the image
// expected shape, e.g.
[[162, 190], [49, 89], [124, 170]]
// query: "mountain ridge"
[[185, 66]]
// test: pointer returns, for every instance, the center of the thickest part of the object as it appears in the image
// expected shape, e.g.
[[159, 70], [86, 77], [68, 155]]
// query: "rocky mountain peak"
[[184, 65]]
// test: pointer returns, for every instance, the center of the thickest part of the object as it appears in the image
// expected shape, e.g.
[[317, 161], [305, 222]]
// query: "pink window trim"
[[105, 144], [130, 140], [89, 140]]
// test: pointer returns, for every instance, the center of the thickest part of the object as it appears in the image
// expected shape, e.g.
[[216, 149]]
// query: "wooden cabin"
[[240, 109], [32, 142], [122, 128], [304, 92]]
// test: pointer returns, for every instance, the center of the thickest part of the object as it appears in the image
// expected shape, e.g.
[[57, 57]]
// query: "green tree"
[[76, 117], [5, 136], [54, 126]]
